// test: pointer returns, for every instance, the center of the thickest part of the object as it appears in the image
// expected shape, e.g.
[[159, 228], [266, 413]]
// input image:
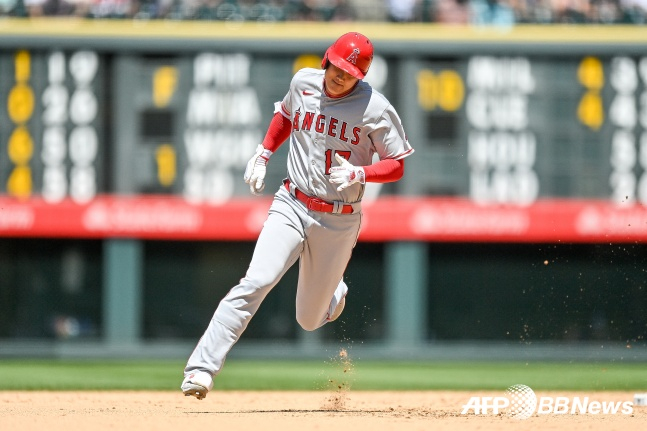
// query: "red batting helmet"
[[352, 53]]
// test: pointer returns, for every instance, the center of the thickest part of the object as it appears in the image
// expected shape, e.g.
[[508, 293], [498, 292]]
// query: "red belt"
[[316, 204]]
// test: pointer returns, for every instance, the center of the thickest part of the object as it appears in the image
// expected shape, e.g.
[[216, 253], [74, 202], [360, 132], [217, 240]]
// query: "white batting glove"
[[346, 174], [256, 169]]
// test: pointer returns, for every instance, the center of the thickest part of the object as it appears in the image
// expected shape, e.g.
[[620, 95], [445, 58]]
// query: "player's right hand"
[[256, 168], [346, 174]]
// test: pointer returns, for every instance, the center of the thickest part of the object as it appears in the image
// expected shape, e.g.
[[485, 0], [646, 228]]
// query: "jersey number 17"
[[330, 157]]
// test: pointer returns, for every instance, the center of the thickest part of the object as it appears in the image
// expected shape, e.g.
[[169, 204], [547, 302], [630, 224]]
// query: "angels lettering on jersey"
[[332, 126], [355, 126]]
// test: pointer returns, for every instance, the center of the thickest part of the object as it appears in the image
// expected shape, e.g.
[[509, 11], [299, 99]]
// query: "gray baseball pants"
[[322, 242]]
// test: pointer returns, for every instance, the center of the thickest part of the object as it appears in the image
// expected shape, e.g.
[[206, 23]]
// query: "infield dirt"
[[286, 411]]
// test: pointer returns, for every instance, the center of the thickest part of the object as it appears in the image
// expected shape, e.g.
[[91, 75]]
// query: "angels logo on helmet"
[[352, 53], [352, 58]]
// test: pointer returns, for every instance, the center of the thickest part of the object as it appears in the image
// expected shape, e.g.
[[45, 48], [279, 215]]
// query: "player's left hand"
[[346, 174]]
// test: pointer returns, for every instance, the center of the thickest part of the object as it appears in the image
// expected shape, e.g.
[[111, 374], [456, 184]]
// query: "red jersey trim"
[[403, 155], [285, 112]]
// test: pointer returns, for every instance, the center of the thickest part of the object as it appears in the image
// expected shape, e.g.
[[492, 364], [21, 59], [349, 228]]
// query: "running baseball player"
[[335, 123]]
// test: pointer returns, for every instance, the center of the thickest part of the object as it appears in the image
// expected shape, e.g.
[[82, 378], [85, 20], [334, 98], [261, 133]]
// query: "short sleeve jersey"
[[355, 126]]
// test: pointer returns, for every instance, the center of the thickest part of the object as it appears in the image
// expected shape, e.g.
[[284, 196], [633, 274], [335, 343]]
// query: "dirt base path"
[[287, 411]]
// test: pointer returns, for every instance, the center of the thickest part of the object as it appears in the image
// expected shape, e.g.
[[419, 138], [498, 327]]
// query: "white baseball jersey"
[[356, 126]]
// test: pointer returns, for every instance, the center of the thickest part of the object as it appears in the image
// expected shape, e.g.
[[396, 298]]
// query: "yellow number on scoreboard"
[[590, 110], [20, 103], [19, 183], [591, 73], [166, 165], [427, 90], [164, 84], [444, 90], [20, 146], [22, 62], [306, 60], [452, 90]]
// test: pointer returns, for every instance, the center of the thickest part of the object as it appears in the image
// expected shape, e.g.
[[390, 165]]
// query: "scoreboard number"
[[20, 147]]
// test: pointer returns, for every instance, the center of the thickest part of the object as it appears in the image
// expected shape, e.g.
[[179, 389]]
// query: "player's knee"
[[308, 323]]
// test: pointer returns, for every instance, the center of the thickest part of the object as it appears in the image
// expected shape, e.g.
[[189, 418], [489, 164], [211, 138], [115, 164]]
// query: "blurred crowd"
[[476, 12]]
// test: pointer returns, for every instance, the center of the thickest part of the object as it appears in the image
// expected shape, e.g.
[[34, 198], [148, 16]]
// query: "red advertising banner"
[[385, 219]]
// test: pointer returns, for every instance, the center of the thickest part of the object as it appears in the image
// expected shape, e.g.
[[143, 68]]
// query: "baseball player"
[[335, 123]]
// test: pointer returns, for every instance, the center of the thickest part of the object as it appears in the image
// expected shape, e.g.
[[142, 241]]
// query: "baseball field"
[[339, 393]]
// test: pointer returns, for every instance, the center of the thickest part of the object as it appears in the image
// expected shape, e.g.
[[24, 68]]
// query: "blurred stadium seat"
[[476, 12]]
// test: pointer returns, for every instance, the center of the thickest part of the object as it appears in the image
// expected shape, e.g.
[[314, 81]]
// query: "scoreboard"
[[51, 131], [98, 141], [515, 129]]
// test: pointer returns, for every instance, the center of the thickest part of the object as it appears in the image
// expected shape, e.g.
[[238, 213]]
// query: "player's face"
[[337, 81]]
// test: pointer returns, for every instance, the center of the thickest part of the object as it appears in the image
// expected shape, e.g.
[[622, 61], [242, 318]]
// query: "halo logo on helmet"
[[352, 58], [352, 53]]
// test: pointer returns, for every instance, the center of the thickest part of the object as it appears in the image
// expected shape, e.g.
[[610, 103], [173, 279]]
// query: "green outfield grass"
[[317, 375]]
